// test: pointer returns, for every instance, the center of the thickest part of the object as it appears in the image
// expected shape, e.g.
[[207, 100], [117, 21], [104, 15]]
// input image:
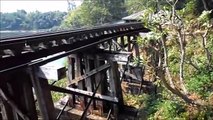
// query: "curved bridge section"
[[98, 62], [20, 52]]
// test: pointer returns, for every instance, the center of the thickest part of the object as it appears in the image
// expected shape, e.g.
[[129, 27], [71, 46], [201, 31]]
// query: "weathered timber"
[[13, 105], [89, 74], [71, 76], [115, 85], [6, 109], [43, 95], [24, 59], [134, 77], [90, 82], [22, 86], [118, 45], [122, 41], [81, 84], [88, 94], [93, 77], [84, 114], [75, 114], [99, 78], [27, 99]]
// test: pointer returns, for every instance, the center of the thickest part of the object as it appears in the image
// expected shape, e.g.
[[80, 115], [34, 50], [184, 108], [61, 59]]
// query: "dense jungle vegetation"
[[21, 20], [177, 53]]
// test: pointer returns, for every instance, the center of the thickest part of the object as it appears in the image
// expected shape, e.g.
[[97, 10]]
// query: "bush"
[[201, 83]]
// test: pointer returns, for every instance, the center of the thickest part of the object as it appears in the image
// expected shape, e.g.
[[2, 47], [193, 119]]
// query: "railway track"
[[28, 50]]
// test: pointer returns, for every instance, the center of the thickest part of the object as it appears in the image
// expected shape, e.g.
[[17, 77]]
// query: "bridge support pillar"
[[17, 97], [43, 95], [115, 85]]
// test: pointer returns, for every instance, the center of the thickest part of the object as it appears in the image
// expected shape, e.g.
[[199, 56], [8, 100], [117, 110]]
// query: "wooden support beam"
[[115, 57], [18, 83], [87, 74], [90, 81], [13, 105], [118, 45], [6, 110], [71, 76], [134, 77], [75, 114], [115, 85], [88, 94], [43, 95], [90, 101], [129, 43], [27, 99], [122, 41], [98, 79], [90, 73], [136, 47], [81, 83], [119, 56]]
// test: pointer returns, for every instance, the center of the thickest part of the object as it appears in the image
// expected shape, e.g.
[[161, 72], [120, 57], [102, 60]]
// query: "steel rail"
[[68, 52], [63, 33], [72, 30]]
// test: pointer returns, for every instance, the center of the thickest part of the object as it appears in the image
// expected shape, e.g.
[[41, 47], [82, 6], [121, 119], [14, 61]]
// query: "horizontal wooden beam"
[[134, 77], [116, 43], [88, 94], [113, 56], [90, 73]]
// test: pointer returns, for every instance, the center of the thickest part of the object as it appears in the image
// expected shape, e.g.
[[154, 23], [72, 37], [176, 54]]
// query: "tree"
[[173, 34], [97, 12], [21, 20]]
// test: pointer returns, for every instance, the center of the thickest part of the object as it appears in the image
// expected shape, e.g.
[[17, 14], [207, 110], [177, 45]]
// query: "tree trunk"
[[208, 54], [163, 40], [181, 39], [205, 5], [173, 90]]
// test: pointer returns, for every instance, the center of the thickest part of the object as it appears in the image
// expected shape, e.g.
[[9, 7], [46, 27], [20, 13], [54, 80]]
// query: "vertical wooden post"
[[19, 84], [71, 69], [115, 85], [87, 69], [27, 99], [129, 43], [89, 65], [71, 76], [98, 78], [81, 84], [136, 47], [115, 48], [44, 97], [122, 42]]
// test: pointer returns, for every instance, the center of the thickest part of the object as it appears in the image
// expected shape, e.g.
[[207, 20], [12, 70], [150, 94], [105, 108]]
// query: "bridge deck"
[[93, 74]]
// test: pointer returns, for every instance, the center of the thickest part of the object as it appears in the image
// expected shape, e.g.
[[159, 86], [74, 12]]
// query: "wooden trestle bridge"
[[98, 60]]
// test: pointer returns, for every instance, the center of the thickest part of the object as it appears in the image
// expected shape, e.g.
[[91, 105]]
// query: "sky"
[[33, 5]]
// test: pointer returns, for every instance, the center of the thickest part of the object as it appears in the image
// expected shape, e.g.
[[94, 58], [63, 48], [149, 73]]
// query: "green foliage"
[[167, 109], [155, 107], [134, 100], [138, 61], [204, 18], [55, 95], [193, 22], [201, 83], [86, 15], [92, 13], [21, 20]]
